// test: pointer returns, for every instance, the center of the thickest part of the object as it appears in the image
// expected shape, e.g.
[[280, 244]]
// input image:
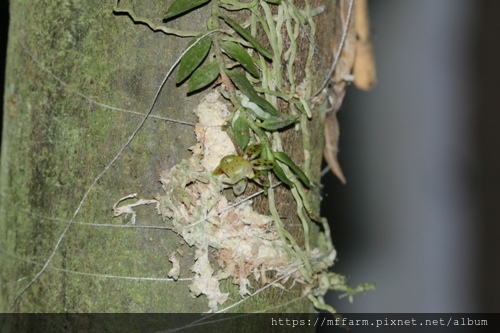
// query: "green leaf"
[[194, 57], [203, 76], [241, 132], [288, 161], [248, 37], [278, 171], [181, 6], [275, 123], [247, 89], [267, 154], [274, 2], [238, 53]]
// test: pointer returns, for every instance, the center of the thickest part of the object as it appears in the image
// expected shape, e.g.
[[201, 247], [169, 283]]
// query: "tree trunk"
[[79, 81]]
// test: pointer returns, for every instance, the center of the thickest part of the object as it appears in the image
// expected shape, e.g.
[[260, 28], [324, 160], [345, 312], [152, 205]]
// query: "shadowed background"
[[419, 215]]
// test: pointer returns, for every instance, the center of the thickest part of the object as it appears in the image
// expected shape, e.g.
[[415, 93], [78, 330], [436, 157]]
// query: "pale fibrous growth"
[[203, 199]]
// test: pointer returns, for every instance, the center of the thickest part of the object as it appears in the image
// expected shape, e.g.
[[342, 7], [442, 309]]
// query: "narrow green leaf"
[[274, 2], [181, 6], [278, 171], [267, 154], [247, 89], [275, 123], [238, 53], [194, 57], [241, 132], [203, 76], [288, 161], [248, 37]]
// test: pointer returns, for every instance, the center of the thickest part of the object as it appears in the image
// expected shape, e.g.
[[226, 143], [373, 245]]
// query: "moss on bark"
[[67, 59]]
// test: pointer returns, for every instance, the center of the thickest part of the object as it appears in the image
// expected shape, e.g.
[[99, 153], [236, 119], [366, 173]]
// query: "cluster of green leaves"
[[254, 116]]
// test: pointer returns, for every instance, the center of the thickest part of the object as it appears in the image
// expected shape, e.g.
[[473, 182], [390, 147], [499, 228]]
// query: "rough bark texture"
[[64, 58]]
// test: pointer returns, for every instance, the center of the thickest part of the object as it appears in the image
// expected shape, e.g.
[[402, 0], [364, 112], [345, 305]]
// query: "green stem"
[[215, 40], [285, 235]]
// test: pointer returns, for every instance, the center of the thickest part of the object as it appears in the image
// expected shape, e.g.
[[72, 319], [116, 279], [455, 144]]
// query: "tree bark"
[[79, 81]]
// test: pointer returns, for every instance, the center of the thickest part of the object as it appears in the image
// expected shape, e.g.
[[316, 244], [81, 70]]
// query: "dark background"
[[420, 215]]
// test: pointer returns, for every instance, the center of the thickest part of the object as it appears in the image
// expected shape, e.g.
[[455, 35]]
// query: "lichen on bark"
[[79, 80]]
